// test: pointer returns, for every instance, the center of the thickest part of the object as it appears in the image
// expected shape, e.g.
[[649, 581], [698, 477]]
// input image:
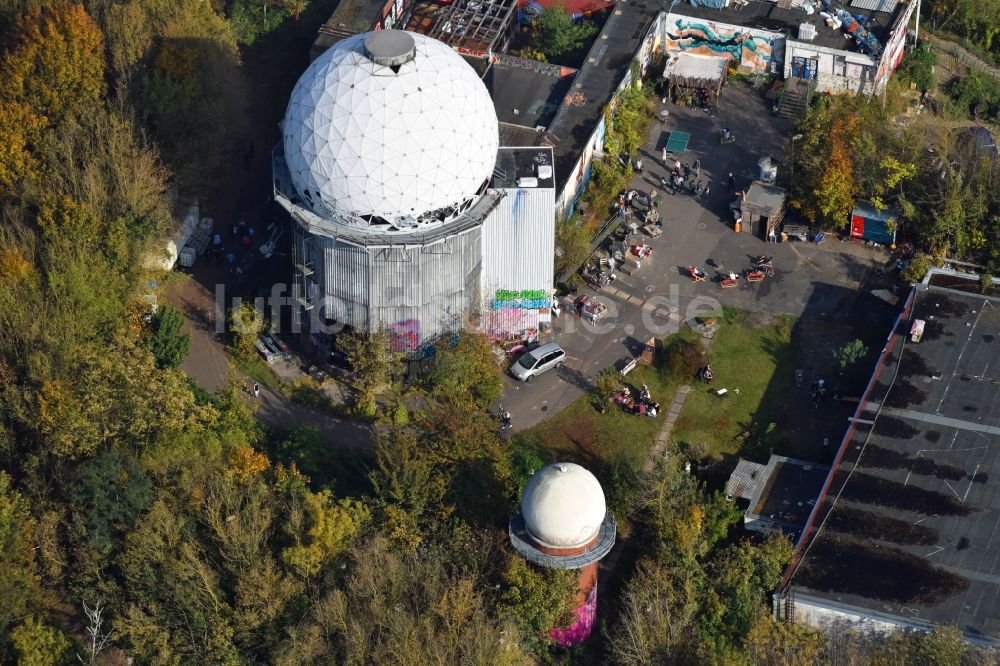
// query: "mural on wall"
[[512, 311], [744, 48], [581, 629]]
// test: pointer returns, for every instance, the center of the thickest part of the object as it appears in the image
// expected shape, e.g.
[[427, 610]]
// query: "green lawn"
[[752, 354], [613, 445]]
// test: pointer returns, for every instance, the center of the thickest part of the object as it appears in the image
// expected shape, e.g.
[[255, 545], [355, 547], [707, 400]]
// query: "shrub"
[[168, 344], [849, 355], [400, 415], [684, 359], [976, 93], [245, 324], [606, 384], [917, 268], [917, 67], [366, 408]]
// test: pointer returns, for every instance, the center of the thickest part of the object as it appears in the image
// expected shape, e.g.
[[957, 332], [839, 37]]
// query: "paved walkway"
[[663, 437], [209, 366], [660, 450]]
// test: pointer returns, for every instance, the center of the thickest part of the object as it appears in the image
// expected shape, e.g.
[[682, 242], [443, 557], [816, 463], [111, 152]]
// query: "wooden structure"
[[697, 77], [762, 208]]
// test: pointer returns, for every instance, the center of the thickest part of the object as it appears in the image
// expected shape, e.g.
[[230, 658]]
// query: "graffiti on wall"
[[404, 335], [525, 299], [581, 629], [515, 311], [745, 49]]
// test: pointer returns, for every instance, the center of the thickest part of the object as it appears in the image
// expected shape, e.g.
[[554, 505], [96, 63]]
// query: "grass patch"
[[752, 353], [613, 445], [258, 370]]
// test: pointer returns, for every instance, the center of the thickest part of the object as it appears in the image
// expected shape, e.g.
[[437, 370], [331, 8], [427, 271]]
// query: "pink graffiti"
[[405, 335], [581, 629], [503, 323]]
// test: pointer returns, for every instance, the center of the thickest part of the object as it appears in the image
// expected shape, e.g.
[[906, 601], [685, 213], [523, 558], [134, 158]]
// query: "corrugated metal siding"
[[345, 271], [418, 292], [518, 248]]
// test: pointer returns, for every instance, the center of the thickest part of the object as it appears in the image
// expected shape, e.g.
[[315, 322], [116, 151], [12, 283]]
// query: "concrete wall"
[[827, 615]]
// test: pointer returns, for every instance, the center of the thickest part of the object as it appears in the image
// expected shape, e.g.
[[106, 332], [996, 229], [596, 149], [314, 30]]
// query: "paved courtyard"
[[813, 282]]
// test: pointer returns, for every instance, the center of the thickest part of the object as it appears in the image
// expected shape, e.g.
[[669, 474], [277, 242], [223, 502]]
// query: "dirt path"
[[967, 58]]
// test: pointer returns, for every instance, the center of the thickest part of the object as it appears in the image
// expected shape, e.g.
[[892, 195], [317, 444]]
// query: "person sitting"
[[732, 277]]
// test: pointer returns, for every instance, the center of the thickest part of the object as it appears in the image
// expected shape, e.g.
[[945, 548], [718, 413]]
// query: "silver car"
[[537, 361]]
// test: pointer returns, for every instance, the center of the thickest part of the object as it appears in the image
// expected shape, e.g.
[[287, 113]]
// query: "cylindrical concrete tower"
[[564, 524]]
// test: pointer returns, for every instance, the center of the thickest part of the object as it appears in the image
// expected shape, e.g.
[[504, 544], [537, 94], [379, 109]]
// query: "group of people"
[[642, 404]]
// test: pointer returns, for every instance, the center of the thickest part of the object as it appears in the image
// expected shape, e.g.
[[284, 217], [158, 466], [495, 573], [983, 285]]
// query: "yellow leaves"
[[178, 60], [14, 266], [328, 528], [19, 126], [246, 463], [896, 171], [65, 418], [56, 66], [685, 530]]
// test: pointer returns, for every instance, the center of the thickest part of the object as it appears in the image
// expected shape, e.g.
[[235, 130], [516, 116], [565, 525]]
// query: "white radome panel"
[[563, 505], [394, 144]]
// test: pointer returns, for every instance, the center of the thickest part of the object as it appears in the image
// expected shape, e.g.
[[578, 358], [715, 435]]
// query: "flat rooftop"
[[596, 81], [527, 93], [911, 533], [765, 15], [349, 18], [515, 135], [466, 25], [788, 492], [515, 163]]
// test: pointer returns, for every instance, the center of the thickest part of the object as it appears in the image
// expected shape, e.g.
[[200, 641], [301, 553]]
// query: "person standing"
[[706, 191], [256, 390], [696, 167], [732, 183], [664, 155], [638, 165]]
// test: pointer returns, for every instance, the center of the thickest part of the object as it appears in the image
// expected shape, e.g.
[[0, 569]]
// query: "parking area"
[[813, 282]]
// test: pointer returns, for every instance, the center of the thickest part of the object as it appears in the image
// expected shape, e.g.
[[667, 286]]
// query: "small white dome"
[[563, 506], [391, 125]]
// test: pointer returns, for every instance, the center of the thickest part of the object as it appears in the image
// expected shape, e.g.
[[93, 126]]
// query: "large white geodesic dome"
[[390, 130], [563, 505]]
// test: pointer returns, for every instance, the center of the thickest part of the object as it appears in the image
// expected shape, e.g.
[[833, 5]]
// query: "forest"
[[145, 521]]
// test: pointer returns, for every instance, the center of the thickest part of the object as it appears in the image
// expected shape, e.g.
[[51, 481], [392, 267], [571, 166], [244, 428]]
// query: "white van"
[[537, 361]]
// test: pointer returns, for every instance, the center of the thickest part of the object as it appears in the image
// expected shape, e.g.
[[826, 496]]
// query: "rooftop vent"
[[390, 48]]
